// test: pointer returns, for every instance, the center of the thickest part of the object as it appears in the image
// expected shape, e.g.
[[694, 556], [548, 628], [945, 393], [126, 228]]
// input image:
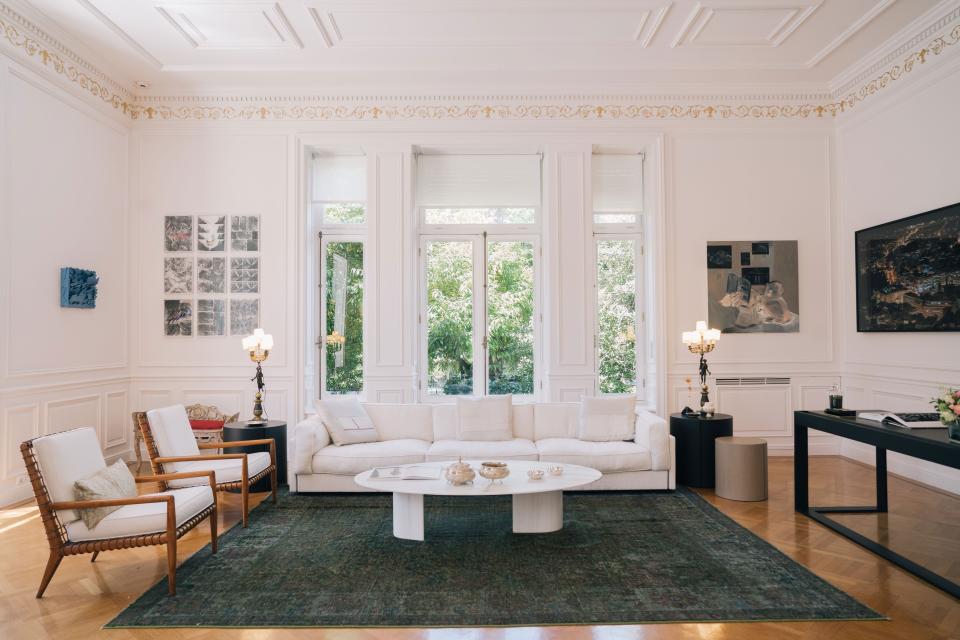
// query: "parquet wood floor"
[[84, 596]]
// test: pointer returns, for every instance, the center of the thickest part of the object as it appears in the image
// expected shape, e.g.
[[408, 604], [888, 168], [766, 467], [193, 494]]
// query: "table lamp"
[[258, 346], [702, 341]]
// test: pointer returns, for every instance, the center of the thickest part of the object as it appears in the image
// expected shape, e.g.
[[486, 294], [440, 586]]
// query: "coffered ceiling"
[[470, 45]]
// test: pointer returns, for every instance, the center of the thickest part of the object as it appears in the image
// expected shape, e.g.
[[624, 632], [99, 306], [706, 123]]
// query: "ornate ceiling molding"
[[33, 43]]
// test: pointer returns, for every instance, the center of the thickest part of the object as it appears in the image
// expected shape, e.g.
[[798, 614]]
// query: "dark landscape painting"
[[908, 273], [753, 287]]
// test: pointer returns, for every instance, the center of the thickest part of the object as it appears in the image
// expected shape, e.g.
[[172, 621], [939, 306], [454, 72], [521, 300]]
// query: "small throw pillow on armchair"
[[488, 418], [109, 483], [608, 419], [346, 421]]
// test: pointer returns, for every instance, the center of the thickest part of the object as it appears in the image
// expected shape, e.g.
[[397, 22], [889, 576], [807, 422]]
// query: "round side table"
[[276, 429], [742, 469], [695, 435]]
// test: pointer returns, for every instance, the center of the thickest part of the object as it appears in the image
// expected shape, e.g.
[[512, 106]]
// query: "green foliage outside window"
[[616, 308], [344, 364]]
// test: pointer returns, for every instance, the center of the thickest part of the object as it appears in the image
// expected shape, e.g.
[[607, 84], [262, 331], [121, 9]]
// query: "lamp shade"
[[259, 340], [700, 334]]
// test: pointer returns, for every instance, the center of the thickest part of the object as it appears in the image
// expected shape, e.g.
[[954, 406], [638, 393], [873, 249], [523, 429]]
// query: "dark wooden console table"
[[932, 445]]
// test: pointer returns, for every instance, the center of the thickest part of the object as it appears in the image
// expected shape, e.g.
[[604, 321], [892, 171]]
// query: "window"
[[338, 190], [617, 188], [479, 251], [480, 299], [618, 217], [478, 189]]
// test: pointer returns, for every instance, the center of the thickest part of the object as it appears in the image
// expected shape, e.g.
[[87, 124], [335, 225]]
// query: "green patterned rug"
[[331, 561]]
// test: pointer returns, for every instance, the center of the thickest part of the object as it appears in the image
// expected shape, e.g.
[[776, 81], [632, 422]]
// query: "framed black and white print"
[[245, 233], [908, 273], [244, 316], [211, 233], [211, 275], [178, 275], [211, 317], [178, 317], [178, 233], [244, 275]]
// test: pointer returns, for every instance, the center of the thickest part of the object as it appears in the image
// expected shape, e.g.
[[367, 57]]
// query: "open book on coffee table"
[[406, 472]]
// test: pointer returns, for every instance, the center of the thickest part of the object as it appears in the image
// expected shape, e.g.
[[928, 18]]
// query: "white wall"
[[897, 160], [63, 185]]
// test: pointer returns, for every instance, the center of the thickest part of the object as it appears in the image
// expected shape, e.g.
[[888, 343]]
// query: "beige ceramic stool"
[[741, 468]]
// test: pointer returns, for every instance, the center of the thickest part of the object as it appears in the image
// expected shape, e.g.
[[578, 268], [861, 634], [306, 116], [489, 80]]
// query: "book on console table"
[[406, 473], [905, 420]]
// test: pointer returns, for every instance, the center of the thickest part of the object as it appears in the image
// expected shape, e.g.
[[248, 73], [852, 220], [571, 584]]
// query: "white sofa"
[[547, 432]]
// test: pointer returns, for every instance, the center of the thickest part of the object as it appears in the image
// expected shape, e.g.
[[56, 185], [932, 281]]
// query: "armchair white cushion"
[[229, 470], [173, 435], [140, 519], [65, 458]]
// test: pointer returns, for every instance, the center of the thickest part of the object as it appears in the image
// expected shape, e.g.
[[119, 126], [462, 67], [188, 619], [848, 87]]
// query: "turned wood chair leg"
[[94, 557], [245, 499], [172, 565], [52, 563], [213, 527], [273, 484]]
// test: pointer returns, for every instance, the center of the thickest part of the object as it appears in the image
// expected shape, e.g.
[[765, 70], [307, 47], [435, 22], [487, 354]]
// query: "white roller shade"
[[339, 179], [478, 181], [617, 182]]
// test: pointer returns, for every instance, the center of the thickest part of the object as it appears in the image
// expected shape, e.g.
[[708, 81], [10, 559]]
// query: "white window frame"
[[480, 236], [639, 313], [325, 237]]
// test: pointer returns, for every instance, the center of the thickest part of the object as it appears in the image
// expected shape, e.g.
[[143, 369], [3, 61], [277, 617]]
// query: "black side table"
[[695, 436], [276, 429]]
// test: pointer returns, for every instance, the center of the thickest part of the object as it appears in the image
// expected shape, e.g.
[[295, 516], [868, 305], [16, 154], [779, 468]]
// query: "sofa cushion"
[[607, 419], [556, 420], [346, 421], [356, 458], [513, 449], [109, 483], [65, 458], [172, 434], [228, 470], [138, 519], [401, 421], [606, 457], [488, 418]]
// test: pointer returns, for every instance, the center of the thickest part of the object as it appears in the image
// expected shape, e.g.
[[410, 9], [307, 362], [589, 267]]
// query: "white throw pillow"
[[608, 419], [488, 418], [346, 421]]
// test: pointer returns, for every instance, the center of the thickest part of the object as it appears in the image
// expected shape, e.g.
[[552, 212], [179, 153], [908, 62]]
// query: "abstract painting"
[[178, 317], [211, 275], [211, 318], [178, 233], [244, 275], [244, 316], [245, 233], [211, 233], [908, 273], [178, 275], [753, 287], [78, 288]]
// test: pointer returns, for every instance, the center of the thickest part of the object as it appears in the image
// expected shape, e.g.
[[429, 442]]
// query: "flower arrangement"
[[948, 406]]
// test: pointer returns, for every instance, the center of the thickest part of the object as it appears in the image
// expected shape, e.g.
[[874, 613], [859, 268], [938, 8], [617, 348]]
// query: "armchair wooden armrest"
[[111, 502], [244, 443], [206, 456], [164, 477]]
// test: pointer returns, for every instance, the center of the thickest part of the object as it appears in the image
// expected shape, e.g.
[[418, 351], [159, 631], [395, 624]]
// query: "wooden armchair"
[[173, 449], [55, 462]]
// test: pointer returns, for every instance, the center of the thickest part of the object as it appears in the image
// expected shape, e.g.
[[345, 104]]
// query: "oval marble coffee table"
[[537, 504]]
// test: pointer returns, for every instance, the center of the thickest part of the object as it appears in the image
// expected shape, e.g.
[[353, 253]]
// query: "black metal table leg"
[[881, 480], [801, 499]]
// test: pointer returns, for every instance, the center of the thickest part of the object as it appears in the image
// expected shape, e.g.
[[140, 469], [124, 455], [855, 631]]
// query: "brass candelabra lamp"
[[258, 346], [701, 342], [335, 341]]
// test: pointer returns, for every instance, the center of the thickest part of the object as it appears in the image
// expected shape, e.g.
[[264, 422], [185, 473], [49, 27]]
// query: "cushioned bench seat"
[[357, 458], [606, 457], [516, 449], [139, 519]]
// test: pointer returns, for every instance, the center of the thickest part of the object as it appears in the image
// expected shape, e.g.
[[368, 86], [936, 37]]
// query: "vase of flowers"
[[948, 406]]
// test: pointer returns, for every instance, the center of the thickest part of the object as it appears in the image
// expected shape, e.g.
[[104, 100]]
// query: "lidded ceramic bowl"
[[459, 472]]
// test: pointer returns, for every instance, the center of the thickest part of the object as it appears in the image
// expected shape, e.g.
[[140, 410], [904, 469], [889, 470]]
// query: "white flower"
[[947, 416]]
